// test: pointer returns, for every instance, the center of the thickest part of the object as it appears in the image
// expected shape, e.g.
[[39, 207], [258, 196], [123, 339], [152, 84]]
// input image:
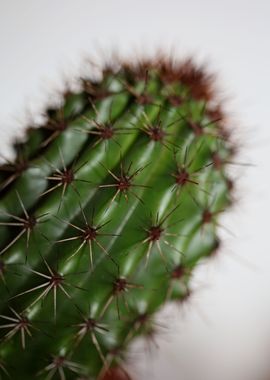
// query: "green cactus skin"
[[105, 213]]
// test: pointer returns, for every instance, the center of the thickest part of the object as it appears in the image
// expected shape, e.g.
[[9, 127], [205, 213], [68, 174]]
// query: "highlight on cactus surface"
[[105, 212]]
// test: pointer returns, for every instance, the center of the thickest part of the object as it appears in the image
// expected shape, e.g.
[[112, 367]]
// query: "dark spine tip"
[[178, 272], [175, 100], [154, 233], [119, 285], [67, 177], [207, 216], [156, 133], [116, 373], [181, 177], [90, 233], [30, 222]]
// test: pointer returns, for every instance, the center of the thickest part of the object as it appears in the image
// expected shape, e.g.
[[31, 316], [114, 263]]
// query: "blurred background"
[[223, 331]]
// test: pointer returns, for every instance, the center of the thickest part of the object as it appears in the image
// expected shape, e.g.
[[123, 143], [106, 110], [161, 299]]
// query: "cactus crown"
[[104, 213]]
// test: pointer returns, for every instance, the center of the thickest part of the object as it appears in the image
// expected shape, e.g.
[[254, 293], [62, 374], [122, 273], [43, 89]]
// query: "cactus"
[[105, 212]]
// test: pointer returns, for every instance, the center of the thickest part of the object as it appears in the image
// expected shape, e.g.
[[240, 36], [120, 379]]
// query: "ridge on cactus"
[[105, 212]]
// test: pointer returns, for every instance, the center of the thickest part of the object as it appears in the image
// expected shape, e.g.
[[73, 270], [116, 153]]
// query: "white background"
[[224, 331]]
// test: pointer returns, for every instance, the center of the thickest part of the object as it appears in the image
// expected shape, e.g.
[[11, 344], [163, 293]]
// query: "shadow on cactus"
[[104, 214]]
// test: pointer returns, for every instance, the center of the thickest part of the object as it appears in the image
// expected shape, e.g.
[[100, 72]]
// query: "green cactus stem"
[[105, 212]]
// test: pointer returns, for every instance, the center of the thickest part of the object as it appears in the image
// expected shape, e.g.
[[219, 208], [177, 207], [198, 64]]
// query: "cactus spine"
[[104, 214]]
